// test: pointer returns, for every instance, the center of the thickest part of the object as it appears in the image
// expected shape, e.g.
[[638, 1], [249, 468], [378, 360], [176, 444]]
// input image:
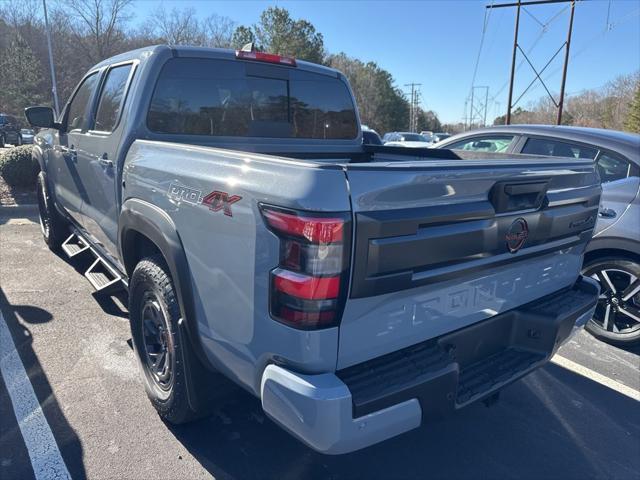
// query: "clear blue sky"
[[436, 43]]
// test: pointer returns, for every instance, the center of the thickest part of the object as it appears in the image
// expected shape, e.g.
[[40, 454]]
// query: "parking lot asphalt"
[[75, 349]]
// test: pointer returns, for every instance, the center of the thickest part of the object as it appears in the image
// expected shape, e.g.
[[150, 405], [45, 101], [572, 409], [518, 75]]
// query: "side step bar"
[[101, 275], [74, 245], [103, 278]]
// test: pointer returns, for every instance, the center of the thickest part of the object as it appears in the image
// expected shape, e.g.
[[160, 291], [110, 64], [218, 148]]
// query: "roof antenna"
[[248, 47]]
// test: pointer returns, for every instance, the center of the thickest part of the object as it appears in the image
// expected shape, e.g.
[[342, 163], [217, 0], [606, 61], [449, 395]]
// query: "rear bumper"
[[381, 398]]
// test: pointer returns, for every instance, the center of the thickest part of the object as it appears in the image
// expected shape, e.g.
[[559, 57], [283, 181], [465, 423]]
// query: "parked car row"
[[424, 139], [11, 133]]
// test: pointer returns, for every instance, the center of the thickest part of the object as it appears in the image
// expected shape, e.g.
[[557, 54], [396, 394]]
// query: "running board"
[[103, 278], [74, 245]]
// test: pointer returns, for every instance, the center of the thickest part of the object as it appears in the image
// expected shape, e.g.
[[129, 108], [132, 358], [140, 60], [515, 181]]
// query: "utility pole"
[[513, 64], [566, 64], [54, 88], [516, 46], [413, 105]]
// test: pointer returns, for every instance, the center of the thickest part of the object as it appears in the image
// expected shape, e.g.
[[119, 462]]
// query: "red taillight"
[[308, 288], [266, 57], [317, 230]]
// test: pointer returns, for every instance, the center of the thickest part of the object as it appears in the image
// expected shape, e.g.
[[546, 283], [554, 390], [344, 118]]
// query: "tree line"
[[615, 105], [84, 32]]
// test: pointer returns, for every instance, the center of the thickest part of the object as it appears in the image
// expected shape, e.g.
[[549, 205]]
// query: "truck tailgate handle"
[[511, 196], [524, 188]]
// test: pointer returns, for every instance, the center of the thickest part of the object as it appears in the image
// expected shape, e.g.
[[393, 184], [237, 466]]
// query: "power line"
[[534, 44], [479, 105], [587, 44], [516, 47], [485, 23]]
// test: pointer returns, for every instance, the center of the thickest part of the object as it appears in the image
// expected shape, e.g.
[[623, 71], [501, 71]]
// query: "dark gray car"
[[613, 256], [9, 130]]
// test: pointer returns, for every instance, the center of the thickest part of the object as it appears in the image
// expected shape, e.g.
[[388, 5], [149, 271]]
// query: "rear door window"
[[111, 98], [77, 110], [612, 167], [225, 98], [554, 148]]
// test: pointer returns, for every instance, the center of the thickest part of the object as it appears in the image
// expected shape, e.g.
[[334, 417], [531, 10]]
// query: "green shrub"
[[18, 168]]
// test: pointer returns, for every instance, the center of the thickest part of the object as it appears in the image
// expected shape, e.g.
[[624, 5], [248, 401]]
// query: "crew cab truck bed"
[[357, 292]]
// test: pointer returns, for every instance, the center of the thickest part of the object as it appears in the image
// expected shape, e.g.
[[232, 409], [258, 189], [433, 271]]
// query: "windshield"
[[197, 96]]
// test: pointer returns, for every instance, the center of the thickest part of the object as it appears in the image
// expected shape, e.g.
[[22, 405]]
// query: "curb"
[[14, 210]]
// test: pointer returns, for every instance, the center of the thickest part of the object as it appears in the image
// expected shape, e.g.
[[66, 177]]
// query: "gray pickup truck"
[[357, 291]]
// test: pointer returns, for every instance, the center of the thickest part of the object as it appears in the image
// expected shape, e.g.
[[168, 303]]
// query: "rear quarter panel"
[[230, 256]]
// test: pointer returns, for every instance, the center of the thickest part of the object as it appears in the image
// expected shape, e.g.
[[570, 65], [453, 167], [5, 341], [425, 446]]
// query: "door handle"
[[104, 161], [607, 213]]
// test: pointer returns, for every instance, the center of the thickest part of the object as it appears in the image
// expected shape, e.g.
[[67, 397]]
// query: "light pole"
[[54, 89]]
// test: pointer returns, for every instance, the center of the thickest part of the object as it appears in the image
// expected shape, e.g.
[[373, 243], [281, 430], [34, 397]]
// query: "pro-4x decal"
[[220, 201], [216, 200]]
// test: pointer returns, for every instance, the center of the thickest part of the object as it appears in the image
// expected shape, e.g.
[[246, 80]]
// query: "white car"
[[405, 139], [428, 134]]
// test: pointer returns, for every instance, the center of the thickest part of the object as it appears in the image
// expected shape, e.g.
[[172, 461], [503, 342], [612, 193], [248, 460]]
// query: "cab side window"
[[78, 108], [612, 167], [111, 98], [498, 144]]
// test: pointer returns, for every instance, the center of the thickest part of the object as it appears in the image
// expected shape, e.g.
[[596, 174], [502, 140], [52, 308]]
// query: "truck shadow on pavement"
[[114, 304], [552, 424], [15, 458]]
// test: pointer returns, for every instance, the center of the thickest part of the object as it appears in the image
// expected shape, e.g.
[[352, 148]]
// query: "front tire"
[[617, 316], [160, 345], [54, 228]]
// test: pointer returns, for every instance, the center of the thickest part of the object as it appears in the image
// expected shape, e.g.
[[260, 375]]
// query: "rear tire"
[[162, 349], [617, 316], [54, 227]]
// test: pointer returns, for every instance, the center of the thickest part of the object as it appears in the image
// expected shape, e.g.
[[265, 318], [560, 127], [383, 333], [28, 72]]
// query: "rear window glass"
[[554, 148], [223, 98]]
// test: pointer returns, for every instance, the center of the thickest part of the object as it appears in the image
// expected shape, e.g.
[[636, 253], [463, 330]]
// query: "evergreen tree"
[[632, 123], [20, 77], [277, 32]]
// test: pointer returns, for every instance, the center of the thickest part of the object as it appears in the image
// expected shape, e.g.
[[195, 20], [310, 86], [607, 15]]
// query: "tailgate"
[[439, 245]]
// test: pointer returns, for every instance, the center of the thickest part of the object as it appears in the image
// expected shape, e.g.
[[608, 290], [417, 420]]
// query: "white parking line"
[[42, 447], [596, 377]]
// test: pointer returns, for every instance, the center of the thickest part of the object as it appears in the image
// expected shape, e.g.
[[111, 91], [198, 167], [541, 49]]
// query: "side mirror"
[[40, 117]]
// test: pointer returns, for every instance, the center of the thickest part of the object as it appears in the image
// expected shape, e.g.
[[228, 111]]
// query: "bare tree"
[[98, 25], [218, 30], [182, 27], [176, 27]]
